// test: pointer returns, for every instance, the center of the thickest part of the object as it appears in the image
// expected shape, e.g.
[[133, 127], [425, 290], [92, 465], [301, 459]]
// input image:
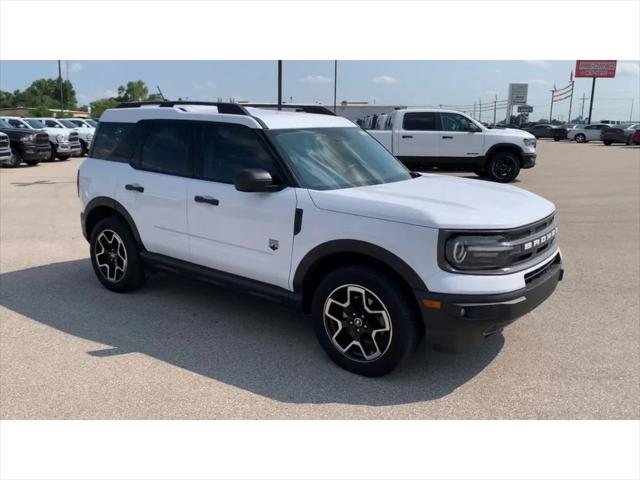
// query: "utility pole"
[[593, 89], [631, 112], [279, 84], [582, 108], [474, 110], [480, 110], [61, 96], [335, 84], [495, 104], [551, 108], [570, 102]]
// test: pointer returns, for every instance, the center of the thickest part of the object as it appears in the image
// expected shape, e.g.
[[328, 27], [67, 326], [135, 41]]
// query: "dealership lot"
[[181, 349]]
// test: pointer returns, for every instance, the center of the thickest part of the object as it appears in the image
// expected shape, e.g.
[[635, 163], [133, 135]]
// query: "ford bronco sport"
[[308, 209]]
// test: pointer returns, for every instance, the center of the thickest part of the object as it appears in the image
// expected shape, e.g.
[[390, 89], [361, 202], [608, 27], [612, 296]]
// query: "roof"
[[249, 116]]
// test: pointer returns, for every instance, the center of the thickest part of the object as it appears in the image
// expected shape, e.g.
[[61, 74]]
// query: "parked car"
[[71, 133], [58, 140], [545, 130], [85, 133], [447, 139], [635, 138], [26, 145], [309, 209], [586, 133], [619, 134], [82, 122], [5, 151]]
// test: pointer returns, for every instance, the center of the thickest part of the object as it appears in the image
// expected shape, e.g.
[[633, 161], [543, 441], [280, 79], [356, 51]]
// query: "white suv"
[[309, 209]]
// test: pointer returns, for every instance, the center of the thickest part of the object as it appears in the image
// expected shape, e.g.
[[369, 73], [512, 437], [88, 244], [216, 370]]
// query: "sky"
[[413, 83]]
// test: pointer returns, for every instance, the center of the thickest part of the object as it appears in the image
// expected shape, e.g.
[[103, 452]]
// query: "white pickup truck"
[[451, 140]]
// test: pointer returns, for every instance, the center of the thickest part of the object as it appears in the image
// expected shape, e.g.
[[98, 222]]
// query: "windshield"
[[68, 124], [331, 158], [35, 123], [4, 124], [92, 122]]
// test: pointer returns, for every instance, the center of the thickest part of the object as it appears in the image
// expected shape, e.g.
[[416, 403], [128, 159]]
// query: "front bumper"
[[31, 152], [529, 160], [5, 156], [456, 323]]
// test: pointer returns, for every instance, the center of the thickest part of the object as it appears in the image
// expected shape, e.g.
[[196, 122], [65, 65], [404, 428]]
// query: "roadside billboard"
[[596, 68], [518, 93]]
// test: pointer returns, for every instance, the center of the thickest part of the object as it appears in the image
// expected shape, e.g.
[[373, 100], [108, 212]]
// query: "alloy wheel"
[[111, 255], [357, 323], [503, 167]]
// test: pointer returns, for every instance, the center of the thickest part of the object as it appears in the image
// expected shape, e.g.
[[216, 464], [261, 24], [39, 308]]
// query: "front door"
[[247, 234], [459, 144]]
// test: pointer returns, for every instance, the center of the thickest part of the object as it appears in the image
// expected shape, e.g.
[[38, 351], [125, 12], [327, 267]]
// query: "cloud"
[[316, 79], [75, 67], [538, 63], [385, 79], [538, 81], [628, 69]]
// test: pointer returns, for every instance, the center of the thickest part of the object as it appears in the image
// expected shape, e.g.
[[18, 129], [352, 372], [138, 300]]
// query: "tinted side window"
[[421, 121], [16, 123], [167, 148], [453, 122], [114, 141], [51, 123], [226, 149]]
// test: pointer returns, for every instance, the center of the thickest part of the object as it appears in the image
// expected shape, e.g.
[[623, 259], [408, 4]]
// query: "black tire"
[[129, 274], [62, 158], [32, 163], [503, 167], [629, 140], [580, 138], [84, 148], [395, 338], [15, 160], [556, 139], [52, 155], [607, 142]]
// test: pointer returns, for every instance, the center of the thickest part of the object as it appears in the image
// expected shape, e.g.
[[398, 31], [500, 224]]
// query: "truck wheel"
[[504, 167], [556, 139], [32, 163], [83, 146], [52, 155], [607, 142], [15, 160], [115, 256], [580, 138], [364, 321], [62, 158]]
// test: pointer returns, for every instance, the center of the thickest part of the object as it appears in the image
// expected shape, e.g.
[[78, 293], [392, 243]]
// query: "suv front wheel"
[[115, 256], [364, 321], [504, 167]]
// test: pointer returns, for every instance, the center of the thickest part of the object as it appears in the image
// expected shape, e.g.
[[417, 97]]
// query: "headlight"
[[60, 137], [530, 142], [475, 252], [28, 138], [89, 136]]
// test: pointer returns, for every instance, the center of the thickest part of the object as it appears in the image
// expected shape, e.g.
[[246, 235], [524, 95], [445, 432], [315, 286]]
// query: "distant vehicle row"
[[44, 139], [581, 133]]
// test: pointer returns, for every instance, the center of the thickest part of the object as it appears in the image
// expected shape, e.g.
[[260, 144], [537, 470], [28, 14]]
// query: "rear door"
[[154, 189], [417, 138], [243, 233], [458, 145]]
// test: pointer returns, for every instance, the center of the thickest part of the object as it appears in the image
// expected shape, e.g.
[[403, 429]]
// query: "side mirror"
[[255, 180]]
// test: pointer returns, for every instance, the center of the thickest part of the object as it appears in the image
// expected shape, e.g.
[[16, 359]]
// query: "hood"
[[439, 201], [19, 132], [509, 132]]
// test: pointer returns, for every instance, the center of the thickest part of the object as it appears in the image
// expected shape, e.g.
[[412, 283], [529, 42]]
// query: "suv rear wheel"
[[115, 256], [504, 167], [364, 321]]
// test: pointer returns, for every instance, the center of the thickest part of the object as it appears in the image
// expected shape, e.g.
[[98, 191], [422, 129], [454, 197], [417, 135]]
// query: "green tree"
[[40, 112], [42, 92], [101, 105], [134, 92]]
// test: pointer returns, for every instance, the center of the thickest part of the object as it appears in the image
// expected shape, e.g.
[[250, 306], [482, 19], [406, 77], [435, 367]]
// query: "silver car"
[[586, 133]]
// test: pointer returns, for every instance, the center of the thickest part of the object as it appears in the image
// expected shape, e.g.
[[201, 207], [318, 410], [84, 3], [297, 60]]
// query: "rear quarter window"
[[114, 141]]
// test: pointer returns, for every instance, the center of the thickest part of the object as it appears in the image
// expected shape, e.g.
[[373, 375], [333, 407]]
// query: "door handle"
[[407, 136], [134, 187], [205, 199], [447, 137]]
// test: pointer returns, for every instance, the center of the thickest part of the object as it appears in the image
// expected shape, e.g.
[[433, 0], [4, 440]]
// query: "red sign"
[[596, 68]]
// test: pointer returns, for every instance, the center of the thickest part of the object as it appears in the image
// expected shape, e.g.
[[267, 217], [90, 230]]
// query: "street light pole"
[[593, 89], [61, 96], [495, 102], [551, 108], [570, 102], [335, 84], [279, 84]]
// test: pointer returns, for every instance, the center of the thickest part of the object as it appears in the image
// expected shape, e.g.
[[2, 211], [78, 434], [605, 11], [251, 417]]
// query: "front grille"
[[4, 142], [42, 139], [539, 272], [73, 137], [535, 240]]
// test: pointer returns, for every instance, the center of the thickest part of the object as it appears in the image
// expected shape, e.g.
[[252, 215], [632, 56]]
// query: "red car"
[[635, 139]]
